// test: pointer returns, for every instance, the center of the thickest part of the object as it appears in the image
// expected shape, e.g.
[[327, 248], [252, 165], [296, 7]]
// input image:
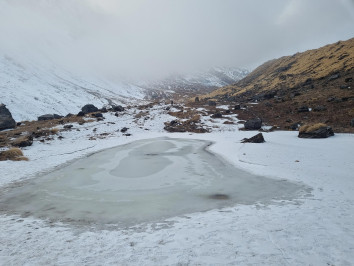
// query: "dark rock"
[[294, 126], [116, 114], [6, 120], [45, 117], [211, 103], [237, 107], [331, 99], [269, 95], [217, 115], [343, 87], [268, 104], [168, 108], [333, 77], [124, 129], [255, 139], [69, 115], [100, 118], [322, 132], [97, 115], [352, 123], [227, 111], [81, 113], [127, 135], [196, 99], [18, 124], [118, 108], [303, 109], [348, 80], [68, 126], [89, 108], [57, 116], [103, 110], [319, 108], [253, 124]]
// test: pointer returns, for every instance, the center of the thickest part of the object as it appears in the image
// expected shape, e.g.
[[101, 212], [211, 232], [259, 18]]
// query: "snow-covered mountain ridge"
[[199, 80], [30, 90]]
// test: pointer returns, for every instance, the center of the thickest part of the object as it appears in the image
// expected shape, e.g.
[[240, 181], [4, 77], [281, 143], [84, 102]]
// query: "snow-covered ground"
[[314, 230]]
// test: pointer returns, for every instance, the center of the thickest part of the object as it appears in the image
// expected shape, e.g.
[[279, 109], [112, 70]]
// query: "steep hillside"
[[320, 79], [30, 90]]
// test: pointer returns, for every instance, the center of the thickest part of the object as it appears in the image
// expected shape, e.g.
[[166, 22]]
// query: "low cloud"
[[139, 39]]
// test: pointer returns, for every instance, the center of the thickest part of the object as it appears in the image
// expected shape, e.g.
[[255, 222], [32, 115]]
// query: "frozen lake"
[[144, 181]]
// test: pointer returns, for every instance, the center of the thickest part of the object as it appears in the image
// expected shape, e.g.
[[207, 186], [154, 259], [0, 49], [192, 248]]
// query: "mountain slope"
[[31, 90], [320, 80], [194, 83]]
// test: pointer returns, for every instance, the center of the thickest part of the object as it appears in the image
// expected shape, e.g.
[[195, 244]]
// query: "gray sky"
[[148, 38]]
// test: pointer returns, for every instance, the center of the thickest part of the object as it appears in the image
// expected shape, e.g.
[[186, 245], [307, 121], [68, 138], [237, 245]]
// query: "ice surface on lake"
[[146, 180]]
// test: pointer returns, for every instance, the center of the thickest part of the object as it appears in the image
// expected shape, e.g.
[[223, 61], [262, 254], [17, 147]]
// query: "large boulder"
[[6, 120], [315, 131], [89, 108], [253, 124]]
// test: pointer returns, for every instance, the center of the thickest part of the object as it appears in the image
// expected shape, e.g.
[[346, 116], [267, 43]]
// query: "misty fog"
[[150, 39]]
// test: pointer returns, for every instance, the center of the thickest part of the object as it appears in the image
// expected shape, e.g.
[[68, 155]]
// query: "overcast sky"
[[156, 37]]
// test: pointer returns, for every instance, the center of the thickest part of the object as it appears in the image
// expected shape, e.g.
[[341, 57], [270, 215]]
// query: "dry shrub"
[[13, 154], [54, 130], [311, 128], [195, 119]]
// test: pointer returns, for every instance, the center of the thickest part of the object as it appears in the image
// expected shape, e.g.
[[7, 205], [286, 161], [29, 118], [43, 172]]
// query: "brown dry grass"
[[290, 71], [13, 154], [39, 128], [311, 127]]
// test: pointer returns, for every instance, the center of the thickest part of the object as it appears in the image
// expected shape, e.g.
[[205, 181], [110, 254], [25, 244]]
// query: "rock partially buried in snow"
[[6, 120], [315, 131], [118, 108], [255, 139], [89, 108]]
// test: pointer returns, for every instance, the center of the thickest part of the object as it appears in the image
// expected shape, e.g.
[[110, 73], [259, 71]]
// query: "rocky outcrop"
[[6, 120], [255, 139], [253, 124], [315, 131]]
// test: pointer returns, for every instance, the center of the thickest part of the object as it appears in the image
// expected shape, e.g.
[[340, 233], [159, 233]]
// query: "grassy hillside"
[[320, 79], [293, 71]]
